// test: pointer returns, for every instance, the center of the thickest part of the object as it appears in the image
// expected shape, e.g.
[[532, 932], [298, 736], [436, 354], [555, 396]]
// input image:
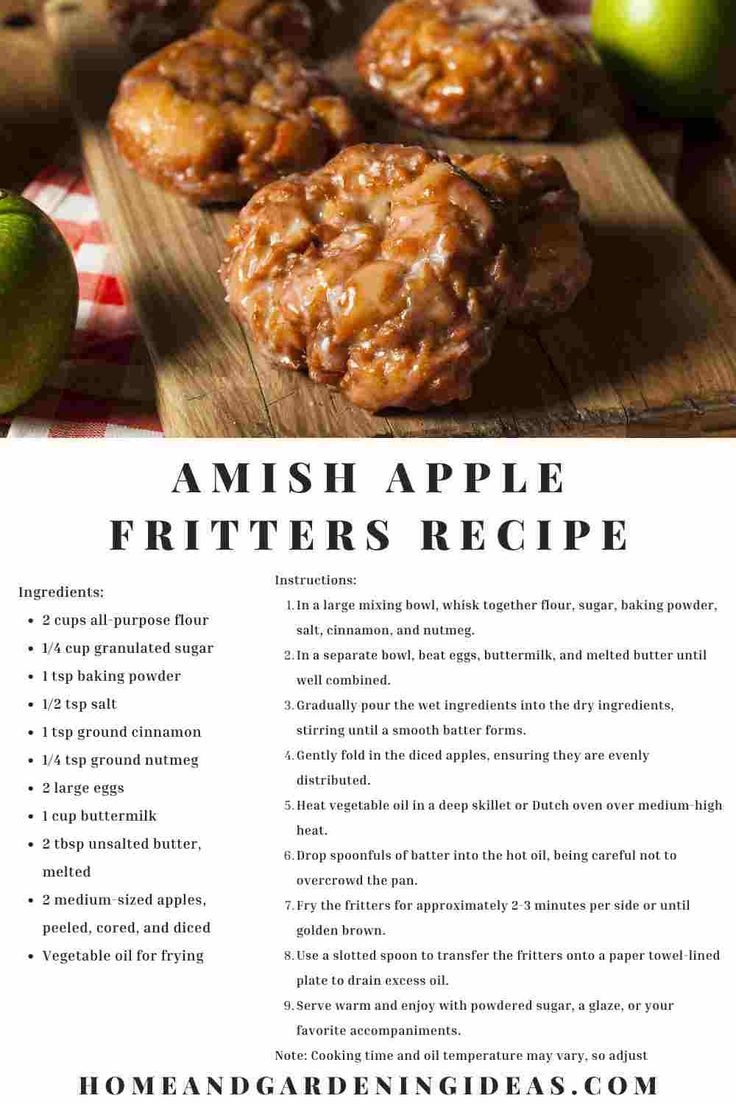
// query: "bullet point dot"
[[30, 731], [30, 620], [30, 845], [30, 816], [30, 647], [30, 900], [30, 956], [30, 788], [30, 676], [30, 705], [30, 760]]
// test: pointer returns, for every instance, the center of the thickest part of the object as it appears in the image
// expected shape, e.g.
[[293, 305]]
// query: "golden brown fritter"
[[217, 115], [389, 272], [148, 25], [475, 68], [555, 262], [386, 274]]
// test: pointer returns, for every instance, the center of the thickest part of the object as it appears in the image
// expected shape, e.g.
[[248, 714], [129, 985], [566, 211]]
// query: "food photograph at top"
[[425, 218]]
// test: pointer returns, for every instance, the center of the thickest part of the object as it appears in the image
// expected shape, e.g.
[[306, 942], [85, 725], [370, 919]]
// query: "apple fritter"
[[474, 68], [386, 274], [217, 115]]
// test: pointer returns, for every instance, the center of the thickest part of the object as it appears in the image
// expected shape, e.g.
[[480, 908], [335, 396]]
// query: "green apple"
[[676, 57], [39, 295]]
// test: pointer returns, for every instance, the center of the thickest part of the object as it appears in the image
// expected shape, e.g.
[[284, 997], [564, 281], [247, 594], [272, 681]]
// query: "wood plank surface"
[[649, 347]]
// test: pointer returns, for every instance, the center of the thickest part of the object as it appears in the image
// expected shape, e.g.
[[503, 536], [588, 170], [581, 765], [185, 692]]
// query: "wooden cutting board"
[[649, 348]]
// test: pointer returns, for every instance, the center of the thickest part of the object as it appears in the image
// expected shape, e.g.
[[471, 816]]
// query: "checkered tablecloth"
[[105, 387]]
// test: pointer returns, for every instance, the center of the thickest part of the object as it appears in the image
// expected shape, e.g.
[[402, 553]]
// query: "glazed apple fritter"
[[474, 68], [217, 115], [388, 273], [147, 25]]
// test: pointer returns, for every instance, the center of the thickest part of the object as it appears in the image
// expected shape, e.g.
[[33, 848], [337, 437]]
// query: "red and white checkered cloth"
[[105, 388]]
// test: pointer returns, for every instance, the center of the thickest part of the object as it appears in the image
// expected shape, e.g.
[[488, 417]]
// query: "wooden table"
[[696, 162]]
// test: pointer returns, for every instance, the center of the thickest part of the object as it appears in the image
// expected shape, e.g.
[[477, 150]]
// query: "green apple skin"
[[675, 57], [39, 297]]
